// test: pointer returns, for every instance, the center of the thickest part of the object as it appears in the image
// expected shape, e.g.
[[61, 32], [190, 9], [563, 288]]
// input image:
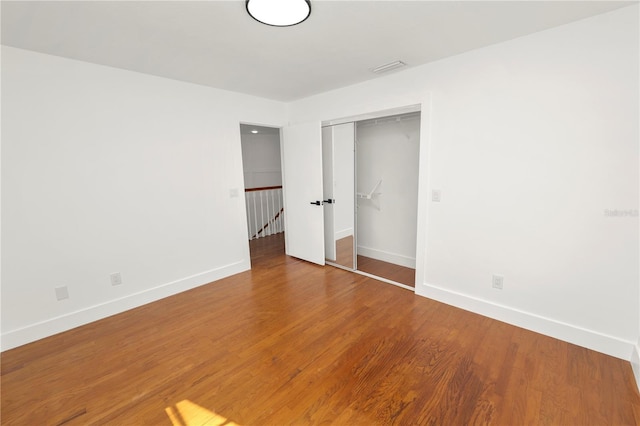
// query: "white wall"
[[530, 141], [261, 160], [388, 151], [105, 170]]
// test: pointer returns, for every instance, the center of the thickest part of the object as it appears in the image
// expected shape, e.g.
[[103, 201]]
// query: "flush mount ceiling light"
[[279, 13]]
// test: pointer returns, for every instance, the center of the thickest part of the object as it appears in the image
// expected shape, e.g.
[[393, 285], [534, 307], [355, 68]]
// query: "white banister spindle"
[[277, 224], [281, 217], [267, 230], [262, 215], [247, 197], [255, 215], [275, 212]]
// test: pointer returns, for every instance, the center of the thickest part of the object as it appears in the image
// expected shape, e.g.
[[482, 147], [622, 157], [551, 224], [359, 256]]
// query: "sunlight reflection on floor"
[[187, 413]]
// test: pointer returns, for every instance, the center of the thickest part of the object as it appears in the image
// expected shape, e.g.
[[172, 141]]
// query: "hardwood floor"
[[390, 271], [293, 343]]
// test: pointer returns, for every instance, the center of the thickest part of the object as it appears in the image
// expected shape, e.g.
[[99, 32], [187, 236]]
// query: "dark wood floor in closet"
[[390, 271]]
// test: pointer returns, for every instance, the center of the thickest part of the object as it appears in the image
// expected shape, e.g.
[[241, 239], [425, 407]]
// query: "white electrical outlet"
[[497, 281], [436, 195], [116, 278], [62, 293]]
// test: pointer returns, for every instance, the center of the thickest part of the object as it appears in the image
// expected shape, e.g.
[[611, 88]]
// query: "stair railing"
[[265, 211]]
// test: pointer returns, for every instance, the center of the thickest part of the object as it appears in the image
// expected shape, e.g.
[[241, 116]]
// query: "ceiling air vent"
[[388, 67]]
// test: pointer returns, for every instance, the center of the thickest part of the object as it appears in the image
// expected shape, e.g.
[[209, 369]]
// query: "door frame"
[[244, 201]]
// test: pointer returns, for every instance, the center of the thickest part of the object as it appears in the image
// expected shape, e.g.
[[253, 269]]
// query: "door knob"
[[330, 201], [317, 203]]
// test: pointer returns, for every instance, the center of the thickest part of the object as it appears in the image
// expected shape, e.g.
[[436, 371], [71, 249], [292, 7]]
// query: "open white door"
[[302, 189]]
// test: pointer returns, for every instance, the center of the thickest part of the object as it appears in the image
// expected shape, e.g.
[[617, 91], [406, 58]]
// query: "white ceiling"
[[215, 43]]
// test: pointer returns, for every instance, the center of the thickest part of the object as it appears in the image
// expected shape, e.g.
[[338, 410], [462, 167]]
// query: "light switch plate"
[[62, 293]]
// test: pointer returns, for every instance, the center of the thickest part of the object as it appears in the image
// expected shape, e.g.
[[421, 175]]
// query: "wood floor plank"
[[390, 271], [294, 343]]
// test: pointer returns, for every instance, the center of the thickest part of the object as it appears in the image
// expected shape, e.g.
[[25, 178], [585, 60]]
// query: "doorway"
[[262, 169]]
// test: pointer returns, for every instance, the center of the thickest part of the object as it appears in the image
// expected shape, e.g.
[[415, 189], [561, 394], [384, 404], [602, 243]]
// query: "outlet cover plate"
[[116, 278], [497, 282]]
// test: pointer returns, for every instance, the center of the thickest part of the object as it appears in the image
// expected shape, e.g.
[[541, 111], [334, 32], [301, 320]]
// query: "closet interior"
[[370, 172]]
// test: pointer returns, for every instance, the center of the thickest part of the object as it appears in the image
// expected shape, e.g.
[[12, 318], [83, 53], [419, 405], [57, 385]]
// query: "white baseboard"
[[40, 330], [590, 339], [635, 362], [385, 256], [343, 233]]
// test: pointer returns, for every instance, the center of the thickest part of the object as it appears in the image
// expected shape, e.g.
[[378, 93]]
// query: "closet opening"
[[370, 173], [387, 154]]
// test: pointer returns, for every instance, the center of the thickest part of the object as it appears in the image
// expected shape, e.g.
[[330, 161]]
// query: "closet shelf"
[[371, 194]]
